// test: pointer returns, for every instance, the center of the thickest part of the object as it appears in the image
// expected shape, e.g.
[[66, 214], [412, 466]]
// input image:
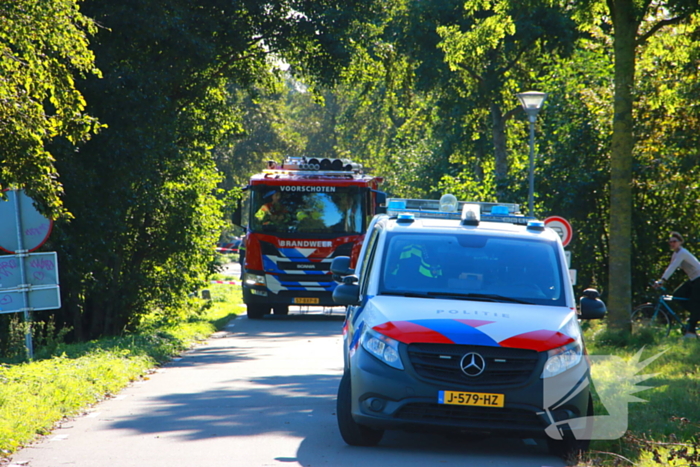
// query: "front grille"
[[323, 279], [482, 417], [504, 366], [307, 266]]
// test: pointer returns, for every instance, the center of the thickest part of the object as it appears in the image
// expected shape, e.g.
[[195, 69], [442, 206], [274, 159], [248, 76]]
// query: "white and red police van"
[[458, 314]]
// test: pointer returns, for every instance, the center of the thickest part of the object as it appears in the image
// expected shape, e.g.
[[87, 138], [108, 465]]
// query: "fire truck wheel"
[[281, 310], [257, 311]]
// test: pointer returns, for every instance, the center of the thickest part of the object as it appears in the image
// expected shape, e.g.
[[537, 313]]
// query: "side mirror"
[[347, 293], [379, 202], [341, 266], [237, 216], [591, 306]]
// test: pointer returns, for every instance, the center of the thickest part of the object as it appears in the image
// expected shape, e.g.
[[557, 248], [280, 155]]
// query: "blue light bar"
[[430, 208]]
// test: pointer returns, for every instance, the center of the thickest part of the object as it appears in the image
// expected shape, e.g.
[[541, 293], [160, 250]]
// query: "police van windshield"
[[307, 209], [473, 267]]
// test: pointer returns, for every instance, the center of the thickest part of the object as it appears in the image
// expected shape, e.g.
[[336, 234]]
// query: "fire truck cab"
[[300, 215]]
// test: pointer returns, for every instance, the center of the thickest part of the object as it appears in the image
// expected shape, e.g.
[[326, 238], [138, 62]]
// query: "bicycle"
[[658, 315]]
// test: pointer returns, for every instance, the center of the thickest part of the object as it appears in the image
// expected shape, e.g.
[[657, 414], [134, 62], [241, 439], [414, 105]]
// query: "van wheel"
[[353, 433], [257, 311], [570, 448]]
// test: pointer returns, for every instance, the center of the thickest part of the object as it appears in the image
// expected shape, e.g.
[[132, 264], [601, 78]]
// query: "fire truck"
[[300, 215]]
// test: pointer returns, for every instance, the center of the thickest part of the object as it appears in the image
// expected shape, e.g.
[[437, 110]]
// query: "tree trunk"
[[620, 279]]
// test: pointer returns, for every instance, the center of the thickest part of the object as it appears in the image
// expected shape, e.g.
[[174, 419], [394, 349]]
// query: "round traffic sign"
[[34, 229], [562, 227]]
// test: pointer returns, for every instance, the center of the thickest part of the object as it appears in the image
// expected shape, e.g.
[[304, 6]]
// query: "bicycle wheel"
[[651, 317]]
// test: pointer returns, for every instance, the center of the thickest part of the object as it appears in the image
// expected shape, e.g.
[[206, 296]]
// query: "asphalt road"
[[260, 393]]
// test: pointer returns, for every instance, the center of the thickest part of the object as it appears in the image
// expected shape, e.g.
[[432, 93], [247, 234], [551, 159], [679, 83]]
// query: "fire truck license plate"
[[479, 399], [306, 300]]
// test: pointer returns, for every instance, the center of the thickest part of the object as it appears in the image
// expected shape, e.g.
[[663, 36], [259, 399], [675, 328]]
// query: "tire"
[[280, 310], [643, 317], [353, 433], [257, 311], [570, 448]]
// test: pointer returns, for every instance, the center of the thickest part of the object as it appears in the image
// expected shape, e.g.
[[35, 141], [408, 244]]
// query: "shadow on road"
[[246, 409], [290, 326], [304, 407], [251, 404]]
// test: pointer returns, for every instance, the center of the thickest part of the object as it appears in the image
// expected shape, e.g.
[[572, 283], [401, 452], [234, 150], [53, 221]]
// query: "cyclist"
[[690, 289]]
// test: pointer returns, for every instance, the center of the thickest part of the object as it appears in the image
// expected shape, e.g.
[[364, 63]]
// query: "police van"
[[459, 316]]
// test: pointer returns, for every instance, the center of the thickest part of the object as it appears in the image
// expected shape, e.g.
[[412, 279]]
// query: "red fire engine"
[[301, 215]]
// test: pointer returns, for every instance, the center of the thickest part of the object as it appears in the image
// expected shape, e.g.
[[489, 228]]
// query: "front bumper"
[[257, 295], [386, 398]]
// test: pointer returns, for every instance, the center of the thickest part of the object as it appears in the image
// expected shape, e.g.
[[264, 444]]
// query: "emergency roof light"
[[471, 214], [449, 208], [313, 166], [448, 203], [405, 218], [535, 225]]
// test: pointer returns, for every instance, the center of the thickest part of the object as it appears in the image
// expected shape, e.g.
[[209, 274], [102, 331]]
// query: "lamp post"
[[532, 102]]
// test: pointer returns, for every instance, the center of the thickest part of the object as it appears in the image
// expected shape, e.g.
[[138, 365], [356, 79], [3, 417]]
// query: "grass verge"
[[663, 428], [35, 396]]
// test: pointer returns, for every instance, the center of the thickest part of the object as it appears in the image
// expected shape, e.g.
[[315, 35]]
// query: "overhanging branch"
[[661, 24]]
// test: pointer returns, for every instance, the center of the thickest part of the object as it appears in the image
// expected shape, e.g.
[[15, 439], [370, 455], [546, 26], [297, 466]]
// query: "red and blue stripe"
[[466, 332]]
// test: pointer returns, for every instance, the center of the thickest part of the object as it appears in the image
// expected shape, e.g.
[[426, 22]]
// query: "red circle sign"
[[562, 227], [34, 228]]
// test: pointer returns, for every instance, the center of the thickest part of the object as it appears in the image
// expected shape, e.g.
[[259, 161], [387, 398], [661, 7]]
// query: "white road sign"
[[562, 227], [35, 228]]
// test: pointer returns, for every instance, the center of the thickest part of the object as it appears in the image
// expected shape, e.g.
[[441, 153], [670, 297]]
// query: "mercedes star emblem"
[[472, 364]]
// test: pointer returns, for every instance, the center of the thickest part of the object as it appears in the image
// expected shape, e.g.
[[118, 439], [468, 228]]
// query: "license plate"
[[480, 399], [306, 300]]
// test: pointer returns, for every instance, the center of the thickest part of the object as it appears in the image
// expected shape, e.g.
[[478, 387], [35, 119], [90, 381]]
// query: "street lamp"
[[532, 102]]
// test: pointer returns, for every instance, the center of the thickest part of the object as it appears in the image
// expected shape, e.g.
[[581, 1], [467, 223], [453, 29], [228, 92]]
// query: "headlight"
[[254, 279], [562, 358], [382, 347]]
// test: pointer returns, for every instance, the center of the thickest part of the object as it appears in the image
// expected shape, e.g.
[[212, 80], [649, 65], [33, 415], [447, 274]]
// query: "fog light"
[[375, 404]]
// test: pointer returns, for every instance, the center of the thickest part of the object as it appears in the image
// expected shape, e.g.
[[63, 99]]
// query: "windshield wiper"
[[409, 294], [479, 296]]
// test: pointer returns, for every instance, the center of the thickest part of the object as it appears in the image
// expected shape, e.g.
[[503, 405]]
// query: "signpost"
[[22, 226], [562, 227], [40, 282], [28, 281]]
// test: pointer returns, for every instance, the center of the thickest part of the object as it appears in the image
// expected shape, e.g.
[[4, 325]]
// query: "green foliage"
[[666, 172], [143, 192], [43, 45], [493, 52]]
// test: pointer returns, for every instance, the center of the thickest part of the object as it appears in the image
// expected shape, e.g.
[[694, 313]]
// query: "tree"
[[143, 192], [497, 54], [43, 47], [632, 29]]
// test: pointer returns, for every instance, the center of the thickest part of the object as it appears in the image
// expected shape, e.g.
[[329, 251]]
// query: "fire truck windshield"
[[307, 209]]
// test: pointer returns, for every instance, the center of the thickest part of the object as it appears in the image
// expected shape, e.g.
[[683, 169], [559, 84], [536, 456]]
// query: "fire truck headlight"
[[255, 279]]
